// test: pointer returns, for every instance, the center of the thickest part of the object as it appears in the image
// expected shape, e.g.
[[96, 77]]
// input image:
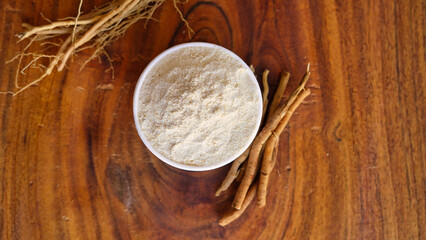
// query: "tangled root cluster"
[[93, 30]]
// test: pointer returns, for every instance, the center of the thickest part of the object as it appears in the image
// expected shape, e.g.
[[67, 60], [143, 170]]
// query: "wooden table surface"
[[351, 163]]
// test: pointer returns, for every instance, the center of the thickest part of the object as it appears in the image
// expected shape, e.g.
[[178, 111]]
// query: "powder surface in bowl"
[[198, 106]]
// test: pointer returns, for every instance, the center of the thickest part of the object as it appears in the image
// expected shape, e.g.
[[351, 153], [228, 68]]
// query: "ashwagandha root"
[[233, 172], [279, 93], [259, 141], [234, 213], [267, 159], [241, 172], [94, 30], [272, 143]]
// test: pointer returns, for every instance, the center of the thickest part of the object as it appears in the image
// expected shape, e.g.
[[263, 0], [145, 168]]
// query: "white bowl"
[[136, 107]]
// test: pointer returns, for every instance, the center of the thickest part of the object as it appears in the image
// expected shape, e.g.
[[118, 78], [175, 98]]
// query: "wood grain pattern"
[[351, 163]]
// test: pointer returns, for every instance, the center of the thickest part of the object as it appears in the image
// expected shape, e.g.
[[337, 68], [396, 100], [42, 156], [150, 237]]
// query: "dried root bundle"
[[262, 154], [94, 30]]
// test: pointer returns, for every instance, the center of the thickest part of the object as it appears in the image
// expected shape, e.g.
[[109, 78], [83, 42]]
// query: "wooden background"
[[351, 163]]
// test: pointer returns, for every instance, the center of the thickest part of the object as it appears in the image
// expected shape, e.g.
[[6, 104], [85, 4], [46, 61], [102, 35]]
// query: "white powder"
[[198, 106]]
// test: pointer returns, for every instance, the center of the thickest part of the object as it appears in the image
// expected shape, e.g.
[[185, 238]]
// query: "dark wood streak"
[[120, 181], [92, 181], [194, 8], [280, 37], [6, 42]]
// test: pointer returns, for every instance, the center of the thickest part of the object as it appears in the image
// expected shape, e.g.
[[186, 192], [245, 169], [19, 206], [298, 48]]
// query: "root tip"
[[222, 223], [236, 206]]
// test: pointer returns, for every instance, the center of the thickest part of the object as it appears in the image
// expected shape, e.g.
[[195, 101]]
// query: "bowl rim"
[[142, 78]]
